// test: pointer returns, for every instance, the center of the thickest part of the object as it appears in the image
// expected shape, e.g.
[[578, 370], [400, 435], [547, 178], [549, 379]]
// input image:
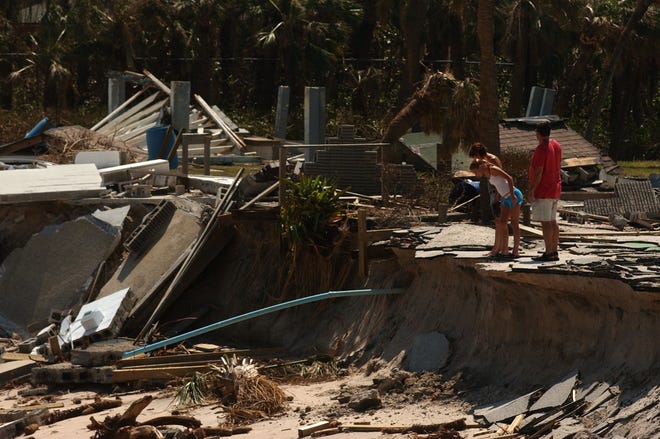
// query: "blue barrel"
[[38, 128], [155, 136]]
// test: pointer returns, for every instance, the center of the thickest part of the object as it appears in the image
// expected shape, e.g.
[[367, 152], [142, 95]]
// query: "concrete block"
[[102, 159], [102, 353], [67, 373]]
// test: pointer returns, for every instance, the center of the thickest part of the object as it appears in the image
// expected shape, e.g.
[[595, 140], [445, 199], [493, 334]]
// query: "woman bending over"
[[512, 199]]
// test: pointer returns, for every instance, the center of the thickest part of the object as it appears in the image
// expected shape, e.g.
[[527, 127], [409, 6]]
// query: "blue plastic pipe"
[[257, 313]]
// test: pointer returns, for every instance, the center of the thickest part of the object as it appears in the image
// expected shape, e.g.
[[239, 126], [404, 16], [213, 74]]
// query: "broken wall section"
[[53, 270]]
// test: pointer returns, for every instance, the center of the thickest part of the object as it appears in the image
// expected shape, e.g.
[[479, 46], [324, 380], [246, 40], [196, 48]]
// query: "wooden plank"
[[15, 369], [580, 161], [362, 242], [119, 120], [117, 110], [307, 430], [157, 373], [183, 358], [261, 195], [531, 230], [10, 148], [513, 427], [20, 356], [157, 81], [236, 140], [379, 235]]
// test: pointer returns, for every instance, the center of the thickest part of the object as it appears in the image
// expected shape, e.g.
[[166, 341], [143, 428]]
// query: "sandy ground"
[[309, 404]]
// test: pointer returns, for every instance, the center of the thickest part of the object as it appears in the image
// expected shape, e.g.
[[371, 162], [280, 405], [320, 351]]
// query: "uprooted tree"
[[442, 105]]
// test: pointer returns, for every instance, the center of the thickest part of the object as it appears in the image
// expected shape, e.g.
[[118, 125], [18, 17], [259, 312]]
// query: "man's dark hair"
[[543, 128]]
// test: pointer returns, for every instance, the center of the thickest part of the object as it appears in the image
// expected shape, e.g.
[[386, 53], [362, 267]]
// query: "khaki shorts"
[[544, 209]]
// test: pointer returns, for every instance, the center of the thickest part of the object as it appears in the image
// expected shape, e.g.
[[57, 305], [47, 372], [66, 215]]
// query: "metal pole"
[[257, 313]]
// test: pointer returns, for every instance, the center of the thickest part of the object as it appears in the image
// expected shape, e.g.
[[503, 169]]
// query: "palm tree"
[[309, 36], [441, 105], [640, 9], [488, 108]]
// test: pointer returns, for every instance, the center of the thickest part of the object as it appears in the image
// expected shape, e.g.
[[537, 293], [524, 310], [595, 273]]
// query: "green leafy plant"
[[193, 392], [310, 208]]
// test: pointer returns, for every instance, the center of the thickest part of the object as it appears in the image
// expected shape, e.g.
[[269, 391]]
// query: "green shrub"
[[312, 204]]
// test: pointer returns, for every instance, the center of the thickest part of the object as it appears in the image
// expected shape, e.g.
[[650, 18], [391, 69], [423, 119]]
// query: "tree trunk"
[[574, 79], [413, 20], [488, 111], [640, 9]]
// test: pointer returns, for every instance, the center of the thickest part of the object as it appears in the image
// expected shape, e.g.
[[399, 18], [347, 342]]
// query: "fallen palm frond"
[[193, 392], [317, 368], [246, 395]]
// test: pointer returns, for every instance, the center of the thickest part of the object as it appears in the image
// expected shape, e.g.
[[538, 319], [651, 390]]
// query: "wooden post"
[[207, 154], [362, 242], [282, 113], [116, 92], [314, 110], [162, 152], [180, 105], [281, 195]]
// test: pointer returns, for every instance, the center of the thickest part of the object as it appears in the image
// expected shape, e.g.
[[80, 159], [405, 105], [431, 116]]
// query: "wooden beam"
[[362, 242], [10, 148], [157, 81], [270, 189], [156, 373], [117, 110], [235, 139]]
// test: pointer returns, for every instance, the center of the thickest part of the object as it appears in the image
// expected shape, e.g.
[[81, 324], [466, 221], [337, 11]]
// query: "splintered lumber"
[[85, 409], [190, 359], [513, 427], [530, 230], [456, 425], [157, 82], [185, 421], [233, 137], [326, 432], [220, 431], [156, 373], [309, 429]]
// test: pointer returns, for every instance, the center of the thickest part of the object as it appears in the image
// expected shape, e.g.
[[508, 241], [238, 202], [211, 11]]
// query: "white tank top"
[[500, 184]]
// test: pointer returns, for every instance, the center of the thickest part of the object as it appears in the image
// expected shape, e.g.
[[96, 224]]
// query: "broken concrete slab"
[[53, 269], [460, 235], [506, 410], [103, 316], [556, 395], [62, 182], [118, 174], [429, 352], [101, 159]]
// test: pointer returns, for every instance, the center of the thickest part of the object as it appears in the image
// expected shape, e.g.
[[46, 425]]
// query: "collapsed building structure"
[[99, 259]]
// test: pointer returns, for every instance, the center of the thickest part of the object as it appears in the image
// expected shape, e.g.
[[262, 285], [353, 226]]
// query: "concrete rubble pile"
[[76, 288]]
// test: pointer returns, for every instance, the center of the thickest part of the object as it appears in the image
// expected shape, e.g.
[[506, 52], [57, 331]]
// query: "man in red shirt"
[[545, 189]]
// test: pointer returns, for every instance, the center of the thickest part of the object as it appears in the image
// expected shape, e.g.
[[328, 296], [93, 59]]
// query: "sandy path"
[[309, 404]]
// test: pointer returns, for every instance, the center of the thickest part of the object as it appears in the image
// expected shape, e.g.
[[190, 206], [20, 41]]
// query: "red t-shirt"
[[547, 155]]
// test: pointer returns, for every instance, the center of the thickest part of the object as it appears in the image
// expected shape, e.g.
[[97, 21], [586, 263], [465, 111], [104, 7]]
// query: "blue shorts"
[[519, 198]]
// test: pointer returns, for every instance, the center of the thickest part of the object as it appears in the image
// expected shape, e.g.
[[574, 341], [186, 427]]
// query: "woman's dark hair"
[[478, 149], [543, 128]]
